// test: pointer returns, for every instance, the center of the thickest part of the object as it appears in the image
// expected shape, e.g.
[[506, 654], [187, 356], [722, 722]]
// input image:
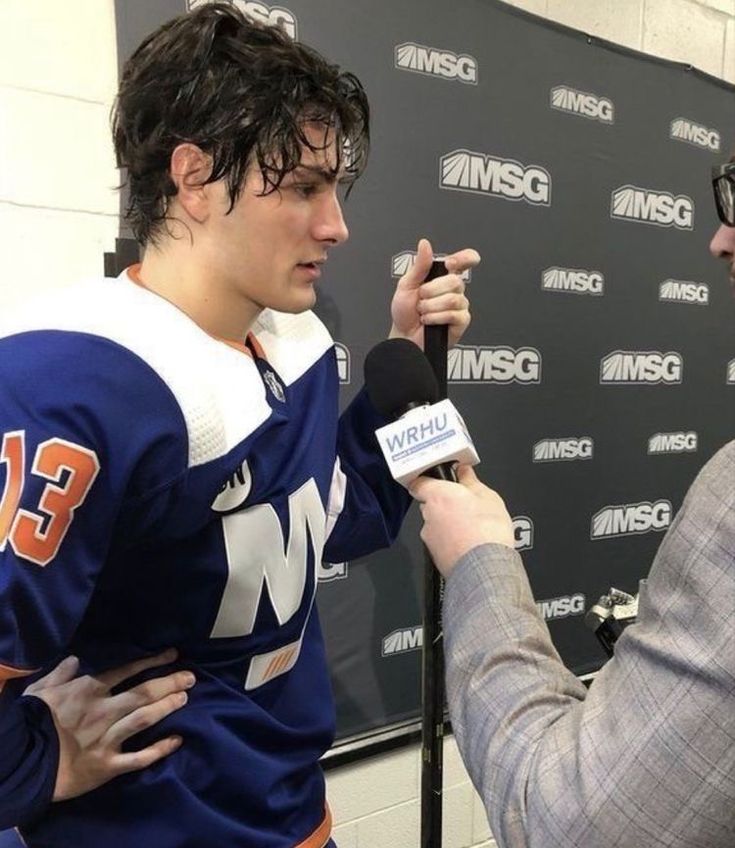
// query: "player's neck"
[[192, 287]]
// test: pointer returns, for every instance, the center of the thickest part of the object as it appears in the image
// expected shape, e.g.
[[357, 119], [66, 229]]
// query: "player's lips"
[[313, 269]]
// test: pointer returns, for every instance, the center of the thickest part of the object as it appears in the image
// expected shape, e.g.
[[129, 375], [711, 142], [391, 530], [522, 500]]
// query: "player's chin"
[[300, 299]]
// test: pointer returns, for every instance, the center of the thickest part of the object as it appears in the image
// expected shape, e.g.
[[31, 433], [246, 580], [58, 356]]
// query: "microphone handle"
[[432, 655], [435, 337], [445, 471]]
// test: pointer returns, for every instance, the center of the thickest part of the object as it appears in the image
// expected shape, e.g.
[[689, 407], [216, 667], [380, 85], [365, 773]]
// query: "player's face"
[[270, 248], [722, 246]]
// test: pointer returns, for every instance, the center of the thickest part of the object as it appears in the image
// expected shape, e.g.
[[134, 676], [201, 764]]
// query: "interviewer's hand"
[[92, 724], [460, 516], [441, 301]]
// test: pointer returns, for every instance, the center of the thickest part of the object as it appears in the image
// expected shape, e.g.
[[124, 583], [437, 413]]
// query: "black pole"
[[432, 656]]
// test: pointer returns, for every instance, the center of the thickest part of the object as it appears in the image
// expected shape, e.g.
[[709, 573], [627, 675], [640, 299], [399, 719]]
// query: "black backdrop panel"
[[594, 377]]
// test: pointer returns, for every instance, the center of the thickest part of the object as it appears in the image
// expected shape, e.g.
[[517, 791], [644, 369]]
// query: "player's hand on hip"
[[92, 724], [442, 301], [459, 517]]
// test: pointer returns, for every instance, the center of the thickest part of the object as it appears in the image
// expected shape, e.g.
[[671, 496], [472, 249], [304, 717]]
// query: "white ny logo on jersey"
[[255, 555]]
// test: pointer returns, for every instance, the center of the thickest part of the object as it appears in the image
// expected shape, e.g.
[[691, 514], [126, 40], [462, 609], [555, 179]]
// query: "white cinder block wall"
[[58, 214], [58, 207]]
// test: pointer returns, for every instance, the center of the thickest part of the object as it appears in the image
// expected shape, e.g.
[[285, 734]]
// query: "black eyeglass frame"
[[723, 185]]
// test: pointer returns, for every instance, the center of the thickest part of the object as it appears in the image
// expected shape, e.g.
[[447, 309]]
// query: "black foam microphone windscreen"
[[398, 377]]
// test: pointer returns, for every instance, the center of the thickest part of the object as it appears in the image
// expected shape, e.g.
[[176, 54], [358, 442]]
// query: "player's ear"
[[190, 169]]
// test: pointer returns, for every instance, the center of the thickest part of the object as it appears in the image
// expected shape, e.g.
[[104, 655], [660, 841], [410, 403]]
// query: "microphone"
[[428, 436]]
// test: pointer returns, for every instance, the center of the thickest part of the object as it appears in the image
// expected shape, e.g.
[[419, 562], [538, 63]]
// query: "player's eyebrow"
[[324, 174]]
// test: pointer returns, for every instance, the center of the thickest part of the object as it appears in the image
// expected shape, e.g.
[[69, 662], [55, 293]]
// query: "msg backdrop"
[[599, 371]]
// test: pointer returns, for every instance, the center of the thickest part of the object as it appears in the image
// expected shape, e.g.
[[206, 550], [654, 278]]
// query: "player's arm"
[[69, 461], [366, 507]]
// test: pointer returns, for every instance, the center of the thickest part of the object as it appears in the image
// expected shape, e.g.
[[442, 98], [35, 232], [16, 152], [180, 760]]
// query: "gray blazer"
[[646, 757]]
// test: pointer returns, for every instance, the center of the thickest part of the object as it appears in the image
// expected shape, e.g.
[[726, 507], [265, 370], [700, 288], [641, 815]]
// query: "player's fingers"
[[65, 671], [137, 760], [115, 676], [452, 318], [462, 260], [442, 285], [149, 692], [144, 717], [449, 302], [416, 274]]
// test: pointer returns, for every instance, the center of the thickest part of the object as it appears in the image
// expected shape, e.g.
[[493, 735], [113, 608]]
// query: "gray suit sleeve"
[[647, 756]]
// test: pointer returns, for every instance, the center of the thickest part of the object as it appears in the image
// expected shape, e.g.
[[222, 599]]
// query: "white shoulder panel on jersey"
[[217, 387], [291, 343]]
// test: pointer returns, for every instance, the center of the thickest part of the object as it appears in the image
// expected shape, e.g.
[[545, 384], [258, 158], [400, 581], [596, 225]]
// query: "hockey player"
[[172, 466]]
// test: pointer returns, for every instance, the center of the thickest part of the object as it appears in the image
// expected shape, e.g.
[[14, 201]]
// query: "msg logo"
[[402, 262], [659, 208], [731, 373], [327, 572], [673, 442], [682, 291], [403, 641], [523, 532], [260, 12], [437, 63], [557, 450], [582, 103], [500, 364], [464, 170], [630, 519], [641, 367], [562, 607], [574, 280], [683, 129]]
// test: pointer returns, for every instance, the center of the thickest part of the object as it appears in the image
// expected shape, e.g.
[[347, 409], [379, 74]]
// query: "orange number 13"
[[39, 537]]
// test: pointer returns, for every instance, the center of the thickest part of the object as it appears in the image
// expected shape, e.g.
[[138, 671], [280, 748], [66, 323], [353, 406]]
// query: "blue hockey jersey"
[[160, 488]]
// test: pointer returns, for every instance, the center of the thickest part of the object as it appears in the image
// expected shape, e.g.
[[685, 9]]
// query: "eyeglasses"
[[723, 183]]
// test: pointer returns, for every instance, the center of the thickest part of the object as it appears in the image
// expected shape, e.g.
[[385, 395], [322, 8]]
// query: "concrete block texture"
[[537, 7], [47, 250], [612, 20], [359, 790], [686, 32], [64, 48], [480, 827], [457, 817], [397, 827], [345, 836], [729, 61], [726, 6], [454, 772], [56, 153]]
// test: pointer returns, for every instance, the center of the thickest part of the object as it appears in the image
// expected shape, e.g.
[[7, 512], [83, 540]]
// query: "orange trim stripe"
[[271, 665], [8, 672], [256, 346], [321, 835]]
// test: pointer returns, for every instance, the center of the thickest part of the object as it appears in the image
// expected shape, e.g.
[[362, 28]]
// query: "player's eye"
[[306, 189]]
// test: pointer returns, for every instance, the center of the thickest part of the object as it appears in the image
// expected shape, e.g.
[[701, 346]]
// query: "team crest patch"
[[270, 379]]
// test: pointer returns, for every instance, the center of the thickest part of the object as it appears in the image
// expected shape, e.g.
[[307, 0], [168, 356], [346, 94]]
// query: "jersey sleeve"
[[80, 421], [366, 506]]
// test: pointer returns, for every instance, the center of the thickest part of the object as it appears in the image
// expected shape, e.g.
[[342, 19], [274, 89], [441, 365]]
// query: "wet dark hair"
[[242, 92]]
